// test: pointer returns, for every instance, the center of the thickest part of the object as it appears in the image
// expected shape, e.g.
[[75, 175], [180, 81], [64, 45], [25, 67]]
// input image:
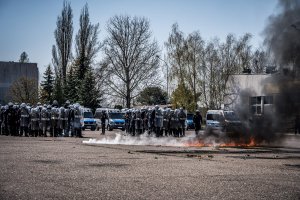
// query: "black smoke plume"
[[282, 38]]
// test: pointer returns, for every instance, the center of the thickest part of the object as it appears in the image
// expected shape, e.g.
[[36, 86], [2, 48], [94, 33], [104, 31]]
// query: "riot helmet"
[[10, 104], [55, 103]]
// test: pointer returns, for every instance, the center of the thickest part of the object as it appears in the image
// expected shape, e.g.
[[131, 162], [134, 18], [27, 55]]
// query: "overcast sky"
[[28, 25]]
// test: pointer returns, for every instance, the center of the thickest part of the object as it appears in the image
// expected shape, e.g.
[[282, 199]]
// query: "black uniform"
[[5, 122], [39, 110], [127, 122], [197, 119], [138, 122], [11, 118], [132, 123], [71, 121], [66, 122], [173, 123], [166, 122], [18, 117], [103, 119]]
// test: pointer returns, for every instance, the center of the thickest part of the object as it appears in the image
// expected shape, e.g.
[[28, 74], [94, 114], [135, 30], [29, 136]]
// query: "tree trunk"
[[128, 98]]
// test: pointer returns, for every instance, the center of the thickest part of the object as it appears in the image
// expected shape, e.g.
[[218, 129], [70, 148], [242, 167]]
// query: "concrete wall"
[[12, 71]]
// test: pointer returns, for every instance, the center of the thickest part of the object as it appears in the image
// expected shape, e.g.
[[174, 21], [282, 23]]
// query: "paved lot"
[[66, 168]]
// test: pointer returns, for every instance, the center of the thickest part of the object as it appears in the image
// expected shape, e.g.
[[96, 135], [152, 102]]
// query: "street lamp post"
[[157, 56]]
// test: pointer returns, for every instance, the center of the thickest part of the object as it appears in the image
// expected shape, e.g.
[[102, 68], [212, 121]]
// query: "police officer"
[[151, 117], [104, 117], [71, 120], [197, 119], [158, 121], [18, 116], [24, 120], [127, 120], [34, 116], [166, 124], [172, 121], [39, 115], [5, 122], [54, 119], [77, 120], [45, 119], [66, 119], [138, 122], [177, 123], [132, 123], [182, 120], [11, 119], [61, 121], [28, 106], [2, 120], [144, 120]]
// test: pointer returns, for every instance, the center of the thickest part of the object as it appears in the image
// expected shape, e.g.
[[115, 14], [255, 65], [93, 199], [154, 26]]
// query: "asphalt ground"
[[67, 168]]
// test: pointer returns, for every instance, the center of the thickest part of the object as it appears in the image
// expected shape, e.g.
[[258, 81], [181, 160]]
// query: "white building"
[[257, 90]]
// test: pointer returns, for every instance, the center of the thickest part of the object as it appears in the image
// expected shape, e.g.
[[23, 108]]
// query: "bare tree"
[[212, 74], [87, 44], [259, 60], [175, 53], [229, 54], [24, 90], [102, 74], [204, 68], [194, 57], [130, 56], [61, 53], [244, 52]]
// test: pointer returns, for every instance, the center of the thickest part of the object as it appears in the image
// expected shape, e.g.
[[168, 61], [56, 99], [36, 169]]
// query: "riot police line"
[[41, 120], [159, 122], [54, 121]]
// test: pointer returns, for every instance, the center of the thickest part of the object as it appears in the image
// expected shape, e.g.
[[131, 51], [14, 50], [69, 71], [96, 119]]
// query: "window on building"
[[257, 104]]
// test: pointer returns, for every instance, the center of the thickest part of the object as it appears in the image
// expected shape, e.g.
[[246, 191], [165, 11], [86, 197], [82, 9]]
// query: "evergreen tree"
[[89, 92], [152, 96], [58, 93], [87, 44], [47, 86], [73, 85], [24, 57], [62, 51]]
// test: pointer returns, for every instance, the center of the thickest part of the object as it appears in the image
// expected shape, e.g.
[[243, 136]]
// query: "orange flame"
[[201, 143]]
